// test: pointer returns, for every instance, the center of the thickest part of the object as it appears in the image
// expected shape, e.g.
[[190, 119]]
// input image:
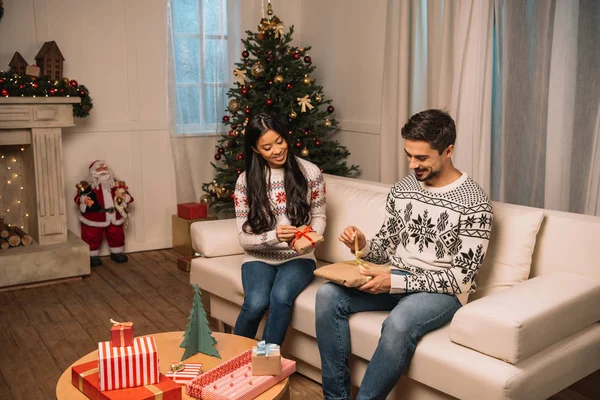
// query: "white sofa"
[[530, 331]]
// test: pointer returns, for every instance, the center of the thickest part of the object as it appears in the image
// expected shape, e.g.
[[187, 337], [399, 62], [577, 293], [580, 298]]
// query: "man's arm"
[[379, 249]]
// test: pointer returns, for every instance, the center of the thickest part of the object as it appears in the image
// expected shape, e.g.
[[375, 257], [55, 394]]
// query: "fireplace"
[[32, 129]]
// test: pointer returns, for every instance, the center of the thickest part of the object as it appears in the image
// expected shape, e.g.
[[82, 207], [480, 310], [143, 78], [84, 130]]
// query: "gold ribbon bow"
[[304, 102], [273, 24], [123, 324], [240, 76], [361, 264]]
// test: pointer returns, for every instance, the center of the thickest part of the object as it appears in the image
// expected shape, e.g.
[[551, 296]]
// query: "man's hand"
[[87, 201], [347, 237], [285, 233], [381, 282]]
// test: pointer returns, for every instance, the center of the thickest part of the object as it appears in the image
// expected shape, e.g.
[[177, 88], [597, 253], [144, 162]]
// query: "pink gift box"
[[128, 366], [233, 380]]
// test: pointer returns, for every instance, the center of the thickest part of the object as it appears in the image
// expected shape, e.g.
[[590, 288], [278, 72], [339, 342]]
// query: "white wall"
[[117, 48]]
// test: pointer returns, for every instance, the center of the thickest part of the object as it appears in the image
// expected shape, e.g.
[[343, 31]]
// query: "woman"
[[277, 193]]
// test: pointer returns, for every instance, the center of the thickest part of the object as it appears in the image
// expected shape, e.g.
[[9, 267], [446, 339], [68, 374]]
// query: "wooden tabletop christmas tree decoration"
[[198, 336]]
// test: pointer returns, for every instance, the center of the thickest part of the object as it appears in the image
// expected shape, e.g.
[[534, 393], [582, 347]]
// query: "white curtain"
[[191, 152], [438, 54], [546, 150]]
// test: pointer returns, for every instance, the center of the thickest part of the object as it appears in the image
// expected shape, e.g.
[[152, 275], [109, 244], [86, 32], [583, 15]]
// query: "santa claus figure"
[[103, 202]]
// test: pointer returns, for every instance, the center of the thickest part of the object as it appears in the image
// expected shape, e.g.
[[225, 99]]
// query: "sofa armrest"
[[216, 238], [520, 321]]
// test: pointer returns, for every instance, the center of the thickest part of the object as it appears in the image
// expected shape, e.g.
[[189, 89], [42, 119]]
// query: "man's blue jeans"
[[273, 287], [411, 316]]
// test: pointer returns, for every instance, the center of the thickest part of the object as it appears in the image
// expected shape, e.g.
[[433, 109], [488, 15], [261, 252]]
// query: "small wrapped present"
[[121, 333], [234, 380], [266, 359], [192, 210], [130, 366], [85, 378], [184, 372], [306, 239]]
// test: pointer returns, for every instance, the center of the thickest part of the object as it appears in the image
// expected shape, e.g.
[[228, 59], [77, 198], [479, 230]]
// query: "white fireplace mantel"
[[37, 122]]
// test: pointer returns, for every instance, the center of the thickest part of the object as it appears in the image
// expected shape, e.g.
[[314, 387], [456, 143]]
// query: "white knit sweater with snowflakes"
[[439, 235], [265, 247]]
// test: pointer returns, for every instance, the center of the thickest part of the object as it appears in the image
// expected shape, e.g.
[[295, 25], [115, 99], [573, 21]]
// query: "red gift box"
[[130, 366], [192, 210], [189, 372], [121, 333], [85, 378], [233, 380]]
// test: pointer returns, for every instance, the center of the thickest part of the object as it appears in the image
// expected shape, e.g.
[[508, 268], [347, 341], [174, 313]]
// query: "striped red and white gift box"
[[189, 372], [128, 366], [233, 380]]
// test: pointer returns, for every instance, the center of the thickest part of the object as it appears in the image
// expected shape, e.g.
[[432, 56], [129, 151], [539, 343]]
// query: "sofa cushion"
[[517, 323], [348, 205], [216, 238], [508, 258]]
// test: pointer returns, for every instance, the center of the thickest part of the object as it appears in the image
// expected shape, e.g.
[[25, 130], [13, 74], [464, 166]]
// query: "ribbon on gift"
[[122, 325], [84, 374], [264, 349], [156, 391], [304, 233]]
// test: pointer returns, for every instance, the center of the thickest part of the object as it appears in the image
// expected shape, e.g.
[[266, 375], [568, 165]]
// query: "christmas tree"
[[275, 77], [198, 336]]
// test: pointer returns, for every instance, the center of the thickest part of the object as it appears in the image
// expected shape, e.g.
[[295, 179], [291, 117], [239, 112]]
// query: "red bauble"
[[238, 171], [4, 92], [269, 102], [245, 54], [82, 93], [247, 111], [288, 86], [73, 83], [239, 156], [217, 156], [245, 92], [21, 86], [225, 118], [298, 144], [231, 133], [221, 150], [318, 143], [330, 109], [296, 56], [307, 59], [233, 126], [35, 85]]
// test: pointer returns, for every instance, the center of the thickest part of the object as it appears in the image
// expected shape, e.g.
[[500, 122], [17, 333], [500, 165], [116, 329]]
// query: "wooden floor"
[[45, 329]]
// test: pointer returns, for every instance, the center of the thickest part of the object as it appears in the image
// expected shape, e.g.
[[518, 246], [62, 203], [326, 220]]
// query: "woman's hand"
[[285, 233], [347, 237]]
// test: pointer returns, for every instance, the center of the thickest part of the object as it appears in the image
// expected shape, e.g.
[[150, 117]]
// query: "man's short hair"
[[435, 127]]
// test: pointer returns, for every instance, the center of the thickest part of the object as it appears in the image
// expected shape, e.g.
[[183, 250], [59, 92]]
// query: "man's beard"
[[105, 179], [428, 176]]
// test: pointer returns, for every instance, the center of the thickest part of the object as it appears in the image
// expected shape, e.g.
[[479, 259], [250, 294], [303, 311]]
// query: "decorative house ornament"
[[50, 60], [18, 64]]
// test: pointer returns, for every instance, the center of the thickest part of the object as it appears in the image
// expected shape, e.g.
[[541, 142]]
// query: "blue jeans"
[[411, 316], [273, 287]]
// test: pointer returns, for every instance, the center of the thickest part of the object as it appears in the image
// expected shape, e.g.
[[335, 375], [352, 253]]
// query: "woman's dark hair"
[[258, 174], [435, 127]]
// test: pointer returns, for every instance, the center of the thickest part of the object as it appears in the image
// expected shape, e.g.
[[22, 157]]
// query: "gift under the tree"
[[129, 366], [85, 378], [184, 372], [121, 333], [266, 359], [192, 210], [233, 380], [306, 239]]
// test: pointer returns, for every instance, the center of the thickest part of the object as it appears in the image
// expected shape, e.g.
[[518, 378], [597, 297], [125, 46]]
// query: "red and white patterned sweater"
[[265, 247]]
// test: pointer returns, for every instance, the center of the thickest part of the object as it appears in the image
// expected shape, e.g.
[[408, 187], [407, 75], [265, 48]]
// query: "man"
[[434, 237], [103, 206]]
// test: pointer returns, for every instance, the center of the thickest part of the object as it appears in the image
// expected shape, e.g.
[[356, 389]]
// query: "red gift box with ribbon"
[[121, 333], [306, 239], [85, 378]]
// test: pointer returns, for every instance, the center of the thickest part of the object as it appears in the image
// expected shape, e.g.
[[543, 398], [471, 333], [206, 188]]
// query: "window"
[[199, 45]]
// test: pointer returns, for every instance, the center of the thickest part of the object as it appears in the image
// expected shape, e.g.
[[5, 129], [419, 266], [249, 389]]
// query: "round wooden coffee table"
[[168, 343]]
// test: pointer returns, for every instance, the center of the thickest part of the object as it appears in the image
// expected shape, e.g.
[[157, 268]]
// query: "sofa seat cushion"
[[517, 323], [220, 276]]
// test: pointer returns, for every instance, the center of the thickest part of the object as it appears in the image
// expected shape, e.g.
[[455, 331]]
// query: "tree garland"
[[14, 85]]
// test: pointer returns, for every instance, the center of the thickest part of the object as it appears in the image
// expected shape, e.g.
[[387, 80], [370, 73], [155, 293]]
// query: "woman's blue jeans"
[[411, 316], [273, 287]]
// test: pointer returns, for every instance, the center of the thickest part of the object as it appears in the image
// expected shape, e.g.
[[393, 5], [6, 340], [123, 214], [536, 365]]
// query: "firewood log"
[[4, 244], [13, 239], [26, 240], [3, 229]]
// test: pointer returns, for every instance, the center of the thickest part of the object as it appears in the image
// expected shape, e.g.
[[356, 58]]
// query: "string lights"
[[12, 186]]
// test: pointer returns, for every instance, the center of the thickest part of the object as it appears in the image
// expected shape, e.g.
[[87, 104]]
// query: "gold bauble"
[[293, 114], [304, 152], [327, 123], [306, 80], [278, 79], [257, 70], [66, 80], [236, 133], [205, 199], [318, 98], [56, 83], [234, 105]]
